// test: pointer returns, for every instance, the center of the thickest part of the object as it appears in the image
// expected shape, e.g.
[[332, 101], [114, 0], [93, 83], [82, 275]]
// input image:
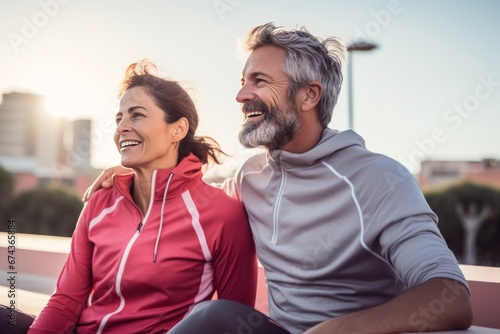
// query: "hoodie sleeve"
[[235, 262], [73, 285], [403, 229]]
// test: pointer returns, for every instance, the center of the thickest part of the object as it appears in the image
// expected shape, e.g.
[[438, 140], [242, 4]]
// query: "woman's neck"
[[141, 192], [143, 177]]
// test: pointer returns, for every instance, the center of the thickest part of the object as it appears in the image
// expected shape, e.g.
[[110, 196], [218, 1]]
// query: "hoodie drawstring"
[[161, 217]]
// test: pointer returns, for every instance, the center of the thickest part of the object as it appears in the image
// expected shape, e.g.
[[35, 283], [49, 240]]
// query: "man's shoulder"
[[254, 163]]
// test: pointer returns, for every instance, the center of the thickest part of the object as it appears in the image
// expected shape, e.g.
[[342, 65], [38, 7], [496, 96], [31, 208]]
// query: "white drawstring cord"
[[161, 218]]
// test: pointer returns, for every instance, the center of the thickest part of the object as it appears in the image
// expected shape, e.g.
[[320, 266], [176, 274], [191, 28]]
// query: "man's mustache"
[[254, 105]]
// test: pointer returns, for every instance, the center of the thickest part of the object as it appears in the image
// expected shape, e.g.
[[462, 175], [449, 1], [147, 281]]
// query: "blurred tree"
[[6, 193], [51, 210], [466, 199]]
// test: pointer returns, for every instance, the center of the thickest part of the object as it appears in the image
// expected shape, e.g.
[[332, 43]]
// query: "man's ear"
[[311, 95]]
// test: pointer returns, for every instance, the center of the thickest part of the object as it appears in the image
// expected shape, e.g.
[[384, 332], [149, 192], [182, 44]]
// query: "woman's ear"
[[181, 128], [311, 95]]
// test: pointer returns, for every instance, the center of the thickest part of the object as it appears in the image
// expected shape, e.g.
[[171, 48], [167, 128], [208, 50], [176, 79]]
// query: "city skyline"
[[431, 90], [39, 149]]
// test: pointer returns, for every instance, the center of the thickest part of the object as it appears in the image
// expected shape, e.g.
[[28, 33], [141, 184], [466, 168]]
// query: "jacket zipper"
[[124, 258], [277, 206]]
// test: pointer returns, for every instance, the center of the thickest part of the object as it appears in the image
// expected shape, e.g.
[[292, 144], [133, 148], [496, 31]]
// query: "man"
[[345, 236]]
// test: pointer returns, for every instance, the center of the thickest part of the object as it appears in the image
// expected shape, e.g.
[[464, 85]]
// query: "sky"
[[429, 91]]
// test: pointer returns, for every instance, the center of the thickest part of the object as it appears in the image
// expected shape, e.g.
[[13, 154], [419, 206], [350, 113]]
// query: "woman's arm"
[[236, 261], [74, 284]]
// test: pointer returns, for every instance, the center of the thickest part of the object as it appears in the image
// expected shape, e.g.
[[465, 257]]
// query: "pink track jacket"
[[134, 273]]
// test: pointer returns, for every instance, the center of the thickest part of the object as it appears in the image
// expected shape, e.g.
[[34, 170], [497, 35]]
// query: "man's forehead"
[[249, 69], [265, 59]]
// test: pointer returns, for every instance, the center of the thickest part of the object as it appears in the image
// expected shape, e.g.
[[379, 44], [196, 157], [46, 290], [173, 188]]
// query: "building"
[[439, 173], [18, 119], [38, 148]]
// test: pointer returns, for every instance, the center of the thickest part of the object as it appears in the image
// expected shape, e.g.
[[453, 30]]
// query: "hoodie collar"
[[330, 142]]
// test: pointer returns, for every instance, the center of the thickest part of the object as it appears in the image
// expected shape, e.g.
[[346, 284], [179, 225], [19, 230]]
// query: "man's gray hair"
[[308, 59]]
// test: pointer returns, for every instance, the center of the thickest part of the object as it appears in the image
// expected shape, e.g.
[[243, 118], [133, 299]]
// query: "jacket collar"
[[185, 174]]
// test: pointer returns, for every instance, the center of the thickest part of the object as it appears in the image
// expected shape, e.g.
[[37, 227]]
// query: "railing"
[[37, 261]]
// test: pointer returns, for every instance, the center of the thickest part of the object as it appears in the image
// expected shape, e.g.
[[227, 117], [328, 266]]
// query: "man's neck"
[[304, 139]]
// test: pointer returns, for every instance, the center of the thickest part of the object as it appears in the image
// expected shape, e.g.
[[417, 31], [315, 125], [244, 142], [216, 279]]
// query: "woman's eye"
[[137, 115]]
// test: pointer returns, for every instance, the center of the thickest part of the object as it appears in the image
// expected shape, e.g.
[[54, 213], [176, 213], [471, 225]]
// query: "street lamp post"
[[356, 46]]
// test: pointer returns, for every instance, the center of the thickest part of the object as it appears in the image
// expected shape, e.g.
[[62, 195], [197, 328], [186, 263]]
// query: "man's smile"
[[253, 116]]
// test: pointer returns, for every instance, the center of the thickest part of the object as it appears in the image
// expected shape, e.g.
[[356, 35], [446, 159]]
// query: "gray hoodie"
[[338, 229]]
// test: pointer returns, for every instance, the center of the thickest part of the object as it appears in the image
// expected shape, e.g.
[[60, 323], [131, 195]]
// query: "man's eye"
[[118, 120], [137, 115], [259, 81]]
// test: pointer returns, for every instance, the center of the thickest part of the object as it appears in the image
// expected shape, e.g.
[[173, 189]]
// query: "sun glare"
[[66, 94], [59, 105]]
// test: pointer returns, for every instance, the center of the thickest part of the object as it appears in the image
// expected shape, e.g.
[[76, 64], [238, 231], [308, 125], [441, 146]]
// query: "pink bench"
[[261, 302], [484, 284]]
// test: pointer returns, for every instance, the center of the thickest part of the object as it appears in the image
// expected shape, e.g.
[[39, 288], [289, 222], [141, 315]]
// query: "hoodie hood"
[[331, 141]]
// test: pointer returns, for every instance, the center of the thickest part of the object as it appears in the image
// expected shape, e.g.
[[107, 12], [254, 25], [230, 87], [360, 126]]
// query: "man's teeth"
[[253, 113], [130, 143]]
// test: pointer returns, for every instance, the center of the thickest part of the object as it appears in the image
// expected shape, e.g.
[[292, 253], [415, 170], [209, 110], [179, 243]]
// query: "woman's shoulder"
[[216, 198], [103, 198], [213, 192]]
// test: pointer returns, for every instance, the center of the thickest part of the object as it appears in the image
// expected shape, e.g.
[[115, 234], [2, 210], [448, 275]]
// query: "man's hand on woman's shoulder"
[[105, 180]]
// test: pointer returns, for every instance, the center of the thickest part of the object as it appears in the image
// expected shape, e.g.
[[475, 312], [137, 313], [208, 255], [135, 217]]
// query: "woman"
[[160, 241]]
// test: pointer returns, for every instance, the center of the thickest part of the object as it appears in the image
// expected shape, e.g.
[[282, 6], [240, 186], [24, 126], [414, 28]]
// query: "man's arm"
[[104, 180], [437, 304]]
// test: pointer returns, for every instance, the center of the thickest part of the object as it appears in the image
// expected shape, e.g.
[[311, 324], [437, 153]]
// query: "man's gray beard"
[[274, 132]]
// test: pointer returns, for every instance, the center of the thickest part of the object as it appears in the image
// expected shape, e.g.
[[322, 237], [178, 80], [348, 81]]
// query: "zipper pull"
[[139, 227]]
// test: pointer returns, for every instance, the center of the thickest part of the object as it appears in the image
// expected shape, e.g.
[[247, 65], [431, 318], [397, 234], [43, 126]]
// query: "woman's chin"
[[128, 164]]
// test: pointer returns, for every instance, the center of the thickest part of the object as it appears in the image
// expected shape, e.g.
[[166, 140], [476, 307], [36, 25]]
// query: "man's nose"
[[245, 94]]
